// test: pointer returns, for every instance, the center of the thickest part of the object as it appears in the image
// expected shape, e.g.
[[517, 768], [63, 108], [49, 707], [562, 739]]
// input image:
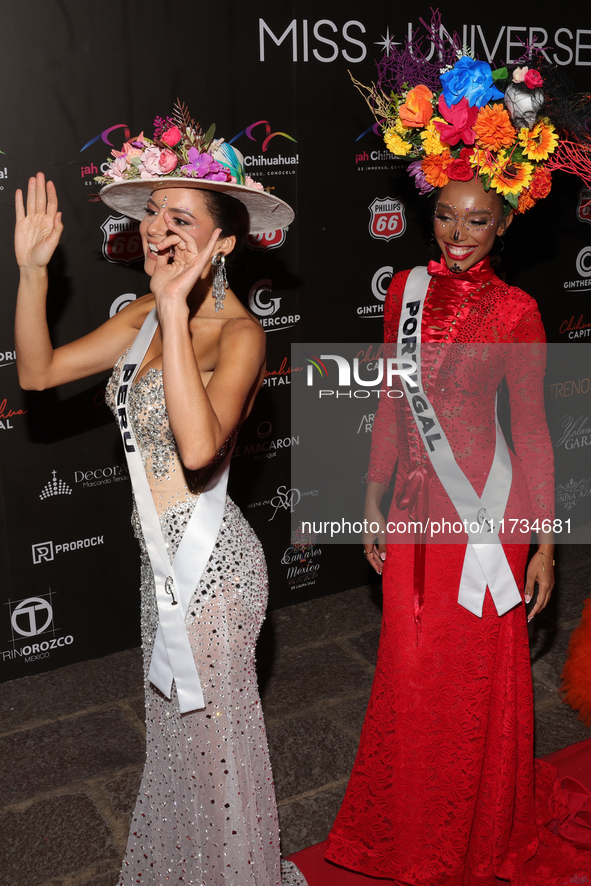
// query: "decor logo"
[[584, 205], [387, 218]]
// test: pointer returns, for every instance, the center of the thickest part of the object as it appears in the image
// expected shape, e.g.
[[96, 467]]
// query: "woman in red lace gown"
[[442, 791]]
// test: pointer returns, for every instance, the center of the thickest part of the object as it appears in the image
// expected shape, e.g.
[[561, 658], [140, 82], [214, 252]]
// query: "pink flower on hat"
[[117, 168], [533, 79], [150, 165], [250, 183], [167, 162]]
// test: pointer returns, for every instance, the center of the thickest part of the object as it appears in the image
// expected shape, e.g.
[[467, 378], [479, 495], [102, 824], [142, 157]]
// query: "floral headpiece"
[[181, 155], [461, 118], [179, 149]]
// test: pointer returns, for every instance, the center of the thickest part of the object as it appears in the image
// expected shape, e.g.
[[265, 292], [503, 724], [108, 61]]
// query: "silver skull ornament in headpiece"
[[523, 104]]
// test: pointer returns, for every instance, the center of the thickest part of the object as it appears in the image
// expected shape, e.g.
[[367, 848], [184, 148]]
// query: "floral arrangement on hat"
[[460, 117], [179, 149]]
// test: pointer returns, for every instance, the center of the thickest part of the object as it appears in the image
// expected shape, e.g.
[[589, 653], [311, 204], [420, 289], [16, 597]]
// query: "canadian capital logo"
[[387, 218], [121, 239]]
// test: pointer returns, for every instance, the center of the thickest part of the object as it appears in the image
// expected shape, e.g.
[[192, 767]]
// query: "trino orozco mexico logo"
[[30, 619], [387, 218]]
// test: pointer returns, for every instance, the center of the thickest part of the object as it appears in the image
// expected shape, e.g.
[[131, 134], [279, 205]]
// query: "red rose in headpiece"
[[461, 118], [533, 79], [460, 171]]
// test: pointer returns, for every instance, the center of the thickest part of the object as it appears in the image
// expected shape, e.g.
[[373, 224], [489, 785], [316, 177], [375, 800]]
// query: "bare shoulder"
[[136, 311], [243, 328]]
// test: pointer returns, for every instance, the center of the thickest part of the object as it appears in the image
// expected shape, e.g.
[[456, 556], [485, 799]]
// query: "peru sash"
[[172, 657], [485, 562]]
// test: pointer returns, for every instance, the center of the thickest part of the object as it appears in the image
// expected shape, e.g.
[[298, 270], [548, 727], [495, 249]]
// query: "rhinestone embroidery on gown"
[[206, 813]]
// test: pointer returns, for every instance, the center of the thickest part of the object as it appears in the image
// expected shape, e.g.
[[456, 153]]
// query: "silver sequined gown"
[[206, 812]]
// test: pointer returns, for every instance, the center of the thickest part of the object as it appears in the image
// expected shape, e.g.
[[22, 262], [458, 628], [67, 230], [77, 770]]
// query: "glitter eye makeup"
[[474, 220]]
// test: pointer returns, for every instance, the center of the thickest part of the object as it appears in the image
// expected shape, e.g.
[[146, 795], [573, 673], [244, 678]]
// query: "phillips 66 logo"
[[386, 218], [584, 205], [121, 240], [270, 240]]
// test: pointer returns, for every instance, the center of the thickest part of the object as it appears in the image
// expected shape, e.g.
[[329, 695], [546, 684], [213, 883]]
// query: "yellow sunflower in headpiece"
[[509, 177], [538, 143]]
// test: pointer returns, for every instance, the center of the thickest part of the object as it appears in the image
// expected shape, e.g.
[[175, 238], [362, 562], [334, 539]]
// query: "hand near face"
[[172, 281], [39, 226]]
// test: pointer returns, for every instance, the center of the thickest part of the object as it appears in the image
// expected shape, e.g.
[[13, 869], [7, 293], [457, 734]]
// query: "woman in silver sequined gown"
[[206, 812]]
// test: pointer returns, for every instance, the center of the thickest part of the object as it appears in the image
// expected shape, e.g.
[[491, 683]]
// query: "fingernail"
[[382, 556], [527, 598], [529, 619]]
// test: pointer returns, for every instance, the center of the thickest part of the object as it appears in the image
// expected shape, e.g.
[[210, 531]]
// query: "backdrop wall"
[[77, 79]]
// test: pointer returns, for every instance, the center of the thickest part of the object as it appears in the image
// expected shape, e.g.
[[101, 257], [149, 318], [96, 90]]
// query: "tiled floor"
[[71, 741]]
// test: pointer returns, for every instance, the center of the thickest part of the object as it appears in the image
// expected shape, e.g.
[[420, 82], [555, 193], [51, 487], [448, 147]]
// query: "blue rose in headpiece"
[[469, 79]]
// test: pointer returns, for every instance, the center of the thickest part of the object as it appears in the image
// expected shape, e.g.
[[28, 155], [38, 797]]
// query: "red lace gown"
[[442, 791]]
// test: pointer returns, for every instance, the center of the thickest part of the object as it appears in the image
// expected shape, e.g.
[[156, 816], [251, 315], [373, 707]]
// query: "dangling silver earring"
[[220, 281]]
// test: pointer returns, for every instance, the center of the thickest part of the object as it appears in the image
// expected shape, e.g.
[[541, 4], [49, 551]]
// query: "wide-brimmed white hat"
[[182, 156], [266, 212]]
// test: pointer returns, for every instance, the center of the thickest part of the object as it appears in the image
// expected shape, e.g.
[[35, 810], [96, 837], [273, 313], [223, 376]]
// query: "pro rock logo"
[[387, 218], [121, 239]]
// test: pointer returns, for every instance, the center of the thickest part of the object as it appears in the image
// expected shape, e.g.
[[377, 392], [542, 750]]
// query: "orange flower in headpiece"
[[434, 169], [539, 188], [539, 142], [417, 109], [493, 128]]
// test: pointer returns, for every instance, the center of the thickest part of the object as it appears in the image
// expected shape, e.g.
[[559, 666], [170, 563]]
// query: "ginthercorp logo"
[[45, 551], [55, 486], [121, 239], [387, 218], [31, 618], [266, 306], [384, 369], [379, 288], [270, 240]]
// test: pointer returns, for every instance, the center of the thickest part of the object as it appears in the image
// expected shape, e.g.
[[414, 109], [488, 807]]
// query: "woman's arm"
[[202, 418], [37, 234], [531, 438]]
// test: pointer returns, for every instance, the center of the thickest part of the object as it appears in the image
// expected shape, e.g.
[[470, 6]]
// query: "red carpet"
[[574, 761]]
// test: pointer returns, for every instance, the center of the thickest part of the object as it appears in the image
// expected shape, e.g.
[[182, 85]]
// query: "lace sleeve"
[[525, 380], [384, 452]]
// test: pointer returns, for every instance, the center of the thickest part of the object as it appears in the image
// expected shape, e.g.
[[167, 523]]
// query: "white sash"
[[485, 562], [172, 657]]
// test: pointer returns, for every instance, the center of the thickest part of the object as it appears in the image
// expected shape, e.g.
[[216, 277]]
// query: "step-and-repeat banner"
[[79, 78]]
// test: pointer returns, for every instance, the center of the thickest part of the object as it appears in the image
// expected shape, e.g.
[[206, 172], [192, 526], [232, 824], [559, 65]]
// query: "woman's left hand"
[[540, 571], [172, 281]]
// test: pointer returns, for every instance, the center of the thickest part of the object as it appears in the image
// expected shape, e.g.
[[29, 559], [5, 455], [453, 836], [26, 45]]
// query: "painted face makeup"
[[467, 220]]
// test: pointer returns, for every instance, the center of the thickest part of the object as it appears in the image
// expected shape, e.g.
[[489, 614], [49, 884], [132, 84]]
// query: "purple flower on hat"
[[204, 166], [469, 79], [416, 170]]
